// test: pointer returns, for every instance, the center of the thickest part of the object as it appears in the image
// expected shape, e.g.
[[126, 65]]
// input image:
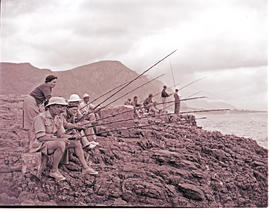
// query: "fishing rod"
[[121, 120], [141, 126], [210, 110], [108, 92], [172, 74], [187, 85], [146, 107], [124, 86], [135, 78], [192, 82], [201, 118], [132, 90], [194, 94], [123, 128], [124, 95]]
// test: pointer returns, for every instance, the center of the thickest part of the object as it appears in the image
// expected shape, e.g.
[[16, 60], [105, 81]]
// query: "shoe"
[[89, 171], [93, 144], [57, 176]]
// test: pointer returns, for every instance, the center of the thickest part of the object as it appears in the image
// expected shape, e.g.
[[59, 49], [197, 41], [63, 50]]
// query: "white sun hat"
[[57, 101], [86, 95], [74, 98]]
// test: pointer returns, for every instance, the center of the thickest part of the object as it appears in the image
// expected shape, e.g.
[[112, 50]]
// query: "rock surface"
[[172, 163]]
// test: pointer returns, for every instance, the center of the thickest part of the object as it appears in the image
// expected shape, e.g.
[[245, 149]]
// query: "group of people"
[[55, 124], [150, 106]]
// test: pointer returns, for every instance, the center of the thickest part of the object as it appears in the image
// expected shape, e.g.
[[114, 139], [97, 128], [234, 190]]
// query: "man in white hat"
[[50, 137], [74, 114], [85, 105]]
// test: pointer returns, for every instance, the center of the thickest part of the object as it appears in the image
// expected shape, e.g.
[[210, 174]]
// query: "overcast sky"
[[224, 40]]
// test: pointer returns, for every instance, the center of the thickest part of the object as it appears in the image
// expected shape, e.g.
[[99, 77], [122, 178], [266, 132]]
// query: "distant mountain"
[[205, 103], [95, 79]]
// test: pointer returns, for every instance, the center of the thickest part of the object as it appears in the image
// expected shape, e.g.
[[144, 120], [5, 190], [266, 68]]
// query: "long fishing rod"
[[123, 96], [132, 90], [124, 128], [121, 120], [146, 107], [108, 92], [172, 75], [135, 79], [140, 126], [192, 82], [194, 94], [187, 85]]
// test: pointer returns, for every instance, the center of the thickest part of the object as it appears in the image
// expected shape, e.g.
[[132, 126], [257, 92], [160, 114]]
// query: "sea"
[[243, 124]]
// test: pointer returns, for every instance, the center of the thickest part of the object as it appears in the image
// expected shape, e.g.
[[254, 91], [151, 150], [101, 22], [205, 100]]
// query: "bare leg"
[[79, 152], [57, 148]]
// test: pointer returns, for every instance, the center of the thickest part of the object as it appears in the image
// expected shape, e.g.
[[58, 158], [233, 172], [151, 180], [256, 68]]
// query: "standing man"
[[50, 137], [176, 102], [164, 96], [34, 103]]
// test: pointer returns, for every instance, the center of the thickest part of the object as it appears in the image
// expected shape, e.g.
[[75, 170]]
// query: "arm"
[[47, 92]]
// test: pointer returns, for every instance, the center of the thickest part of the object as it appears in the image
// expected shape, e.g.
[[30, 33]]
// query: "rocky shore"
[[169, 163]]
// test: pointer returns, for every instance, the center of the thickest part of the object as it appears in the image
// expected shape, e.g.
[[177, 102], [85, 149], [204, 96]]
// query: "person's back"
[[42, 93]]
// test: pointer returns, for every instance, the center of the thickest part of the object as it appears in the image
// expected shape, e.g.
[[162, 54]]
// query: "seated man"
[[50, 137], [84, 127], [128, 102], [85, 106], [85, 109], [149, 105], [137, 107]]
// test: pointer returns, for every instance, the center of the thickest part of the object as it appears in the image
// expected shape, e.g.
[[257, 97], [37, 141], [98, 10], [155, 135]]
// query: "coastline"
[[172, 163]]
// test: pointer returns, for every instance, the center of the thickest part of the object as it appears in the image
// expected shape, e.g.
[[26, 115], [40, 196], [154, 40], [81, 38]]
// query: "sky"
[[222, 41]]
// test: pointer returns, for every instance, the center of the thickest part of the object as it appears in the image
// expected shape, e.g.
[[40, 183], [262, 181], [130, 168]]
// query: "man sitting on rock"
[[137, 107], [50, 137], [149, 105], [85, 127]]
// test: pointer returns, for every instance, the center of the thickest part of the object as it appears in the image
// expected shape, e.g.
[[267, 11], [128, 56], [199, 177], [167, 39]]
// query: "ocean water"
[[249, 124]]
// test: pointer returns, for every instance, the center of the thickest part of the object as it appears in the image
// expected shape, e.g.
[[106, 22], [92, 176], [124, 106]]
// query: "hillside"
[[95, 79]]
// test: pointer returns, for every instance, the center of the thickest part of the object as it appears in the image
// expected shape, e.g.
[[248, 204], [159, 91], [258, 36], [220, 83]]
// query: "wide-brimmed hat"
[[74, 98], [57, 101]]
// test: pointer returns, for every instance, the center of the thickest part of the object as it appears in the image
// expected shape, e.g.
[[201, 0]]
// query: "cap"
[[57, 101]]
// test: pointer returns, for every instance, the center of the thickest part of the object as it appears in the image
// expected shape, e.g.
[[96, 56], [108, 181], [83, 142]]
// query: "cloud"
[[210, 35]]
